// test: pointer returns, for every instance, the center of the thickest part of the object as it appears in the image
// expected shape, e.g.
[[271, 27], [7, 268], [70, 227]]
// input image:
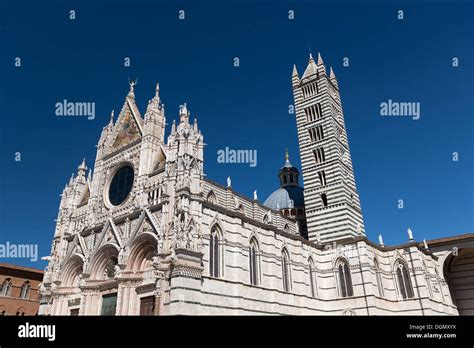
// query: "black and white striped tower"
[[333, 211]]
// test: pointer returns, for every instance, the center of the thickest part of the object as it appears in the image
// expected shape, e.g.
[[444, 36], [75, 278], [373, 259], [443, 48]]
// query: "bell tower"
[[333, 211]]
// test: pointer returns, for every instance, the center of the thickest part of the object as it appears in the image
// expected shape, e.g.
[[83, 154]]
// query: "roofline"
[[449, 240], [20, 268], [248, 199]]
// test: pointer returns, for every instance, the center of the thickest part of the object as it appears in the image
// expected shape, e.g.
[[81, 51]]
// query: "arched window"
[[6, 287], [254, 262], [403, 279], [214, 254], [312, 278], [25, 289], [378, 277], [265, 219], [286, 228], [286, 270], [211, 197], [241, 209], [324, 198], [345, 280]]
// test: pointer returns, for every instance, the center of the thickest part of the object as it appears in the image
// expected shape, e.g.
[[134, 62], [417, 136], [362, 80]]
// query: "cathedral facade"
[[146, 233]]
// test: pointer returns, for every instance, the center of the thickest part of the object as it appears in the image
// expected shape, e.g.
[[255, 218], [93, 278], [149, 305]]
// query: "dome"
[[280, 199]]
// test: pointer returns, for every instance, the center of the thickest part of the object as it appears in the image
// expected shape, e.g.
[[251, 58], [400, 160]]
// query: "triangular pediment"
[[160, 160], [109, 235], [128, 127], [76, 246], [146, 223]]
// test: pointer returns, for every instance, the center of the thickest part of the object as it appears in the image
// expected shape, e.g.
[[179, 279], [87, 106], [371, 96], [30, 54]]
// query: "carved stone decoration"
[[109, 236], [156, 261], [123, 256]]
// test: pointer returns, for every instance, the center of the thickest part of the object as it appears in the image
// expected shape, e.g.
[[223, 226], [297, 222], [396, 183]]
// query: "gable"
[[147, 222], [109, 235], [160, 160], [126, 130]]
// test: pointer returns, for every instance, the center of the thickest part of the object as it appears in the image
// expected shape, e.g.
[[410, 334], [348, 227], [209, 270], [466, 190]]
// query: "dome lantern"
[[289, 175]]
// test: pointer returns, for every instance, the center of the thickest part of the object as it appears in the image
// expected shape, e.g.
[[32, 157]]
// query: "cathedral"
[[147, 233]]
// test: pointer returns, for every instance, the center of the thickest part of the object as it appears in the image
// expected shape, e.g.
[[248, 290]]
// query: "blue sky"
[[244, 107]]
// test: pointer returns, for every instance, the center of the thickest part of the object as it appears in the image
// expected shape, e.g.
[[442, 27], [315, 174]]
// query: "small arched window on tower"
[[286, 228], [345, 280], [25, 289], [319, 156], [322, 177], [214, 252], [6, 287], [403, 280], [254, 262], [324, 198], [286, 270]]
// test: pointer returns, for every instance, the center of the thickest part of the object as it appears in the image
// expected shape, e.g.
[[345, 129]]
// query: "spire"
[[332, 77], [287, 160], [320, 59], [311, 69], [111, 117], [81, 170], [295, 71], [157, 91], [183, 113], [295, 79], [311, 59], [155, 112], [321, 67]]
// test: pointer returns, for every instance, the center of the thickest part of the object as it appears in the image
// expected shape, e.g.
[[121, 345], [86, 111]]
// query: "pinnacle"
[[320, 59]]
